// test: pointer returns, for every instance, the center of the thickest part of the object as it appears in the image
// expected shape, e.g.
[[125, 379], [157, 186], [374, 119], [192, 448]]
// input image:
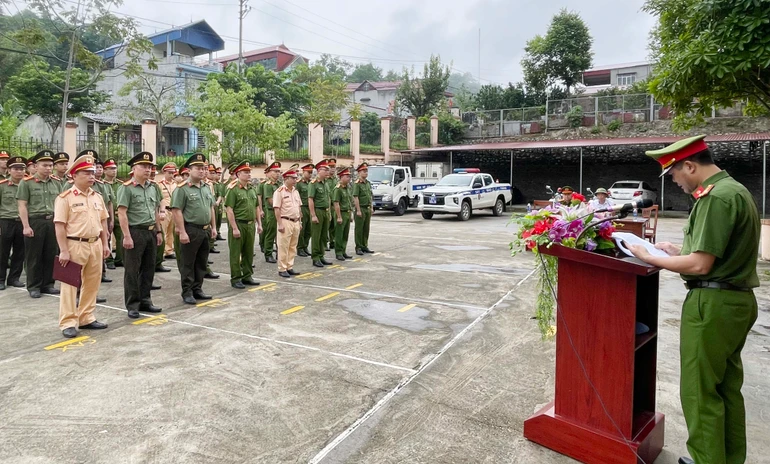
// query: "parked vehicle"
[[464, 191], [633, 190], [394, 188]]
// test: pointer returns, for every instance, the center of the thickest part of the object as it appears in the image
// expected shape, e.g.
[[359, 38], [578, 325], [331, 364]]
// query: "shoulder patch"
[[4, 181], [706, 191], [28, 177], [55, 177], [181, 184], [232, 184], [65, 193], [128, 182], [99, 181], [313, 181]]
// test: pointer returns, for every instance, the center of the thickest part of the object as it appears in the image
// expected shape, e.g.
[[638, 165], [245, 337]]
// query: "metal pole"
[[580, 187], [511, 180], [242, 12], [662, 193], [652, 107], [546, 114], [501, 123], [764, 177], [450, 162]]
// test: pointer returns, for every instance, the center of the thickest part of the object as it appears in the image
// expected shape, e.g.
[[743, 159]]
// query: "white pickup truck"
[[464, 191], [394, 188]]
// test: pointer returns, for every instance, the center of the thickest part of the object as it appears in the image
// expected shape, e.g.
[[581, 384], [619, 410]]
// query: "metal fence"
[[296, 149], [27, 147], [505, 122], [337, 141], [118, 145], [398, 134]]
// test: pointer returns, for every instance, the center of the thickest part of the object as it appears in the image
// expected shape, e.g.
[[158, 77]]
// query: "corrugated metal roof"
[[545, 144]]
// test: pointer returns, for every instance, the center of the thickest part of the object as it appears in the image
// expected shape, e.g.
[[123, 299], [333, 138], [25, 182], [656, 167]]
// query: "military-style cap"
[[110, 163], [343, 172], [184, 170], [89, 152], [567, 189], [276, 166], [44, 155], [154, 168], [30, 161], [61, 157], [219, 170], [677, 151], [600, 190], [144, 157], [292, 172], [169, 167], [308, 167], [17, 161], [323, 164], [198, 159], [212, 168], [4, 154], [362, 167], [81, 163], [331, 162], [242, 166]]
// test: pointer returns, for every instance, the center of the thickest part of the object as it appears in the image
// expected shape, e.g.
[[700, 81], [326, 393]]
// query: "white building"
[[616, 75]]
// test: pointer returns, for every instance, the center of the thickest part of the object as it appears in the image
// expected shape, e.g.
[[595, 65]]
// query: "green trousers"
[[332, 226], [269, 230], [715, 324], [319, 234], [218, 217], [242, 251], [341, 234], [304, 233], [118, 261], [362, 227]]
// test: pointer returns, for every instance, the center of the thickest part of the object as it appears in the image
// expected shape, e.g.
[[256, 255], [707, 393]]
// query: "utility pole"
[[243, 10], [479, 56]]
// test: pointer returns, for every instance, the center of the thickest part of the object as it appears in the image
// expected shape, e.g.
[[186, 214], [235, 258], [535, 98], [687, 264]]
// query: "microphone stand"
[[620, 215]]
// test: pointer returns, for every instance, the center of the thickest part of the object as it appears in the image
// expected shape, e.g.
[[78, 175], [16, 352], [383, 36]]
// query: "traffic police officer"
[[288, 212], [243, 218], [302, 187], [362, 199], [138, 202], [36, 196], [341, 197], [330, 183], [4, 171], [269, 222], [718, 261], [167, 186], [61, 161], [193, 207], [318, 203], [102, 189], [81, 218], [11, 231]]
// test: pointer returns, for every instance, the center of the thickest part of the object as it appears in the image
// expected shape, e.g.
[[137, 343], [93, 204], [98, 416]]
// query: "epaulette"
[[128, 182], [338, 185], [181, 184], [28, 177], [232, 184], [55, 177], [65, 193], [99, 181], [4, 181], [313, 181], [152, 180], [704, 192]]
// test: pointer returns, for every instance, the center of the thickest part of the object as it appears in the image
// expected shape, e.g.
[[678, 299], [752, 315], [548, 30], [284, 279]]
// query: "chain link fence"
[[505, 122]]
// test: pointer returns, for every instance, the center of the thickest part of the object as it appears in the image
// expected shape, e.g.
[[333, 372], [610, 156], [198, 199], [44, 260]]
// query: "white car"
[[632, 190], [462, 193]]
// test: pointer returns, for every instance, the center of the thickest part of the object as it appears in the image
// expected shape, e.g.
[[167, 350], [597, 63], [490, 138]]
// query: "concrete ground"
[[422, 352]]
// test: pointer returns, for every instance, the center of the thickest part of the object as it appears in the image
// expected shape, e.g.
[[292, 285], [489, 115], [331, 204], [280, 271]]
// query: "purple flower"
[[590, 245]]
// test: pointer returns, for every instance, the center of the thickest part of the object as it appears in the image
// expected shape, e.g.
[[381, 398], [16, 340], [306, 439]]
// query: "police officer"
[[269, 223], [167, 186], [302, 187], [36, 196], [362, 199], [288, 212], [81, 218], [342, 199], [102, 189], [116, 240], [138, 204], [318, 203], [31, 167], [241, 207], [220, 189], [11, 231], [330, 183], [718, 262], [213, 182], [4, 170], [193, 207], [61, 161]]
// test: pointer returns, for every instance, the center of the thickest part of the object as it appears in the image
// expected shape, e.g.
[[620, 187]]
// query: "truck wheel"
[[465, 211], [499, 208], [401, 207], [427, 215]]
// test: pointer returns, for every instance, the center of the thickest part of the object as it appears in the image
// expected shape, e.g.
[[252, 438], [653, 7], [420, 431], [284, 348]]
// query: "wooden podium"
[[601, 298]]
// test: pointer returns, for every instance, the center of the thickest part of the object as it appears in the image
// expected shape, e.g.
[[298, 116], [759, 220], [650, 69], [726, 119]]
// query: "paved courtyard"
[[422, 352]]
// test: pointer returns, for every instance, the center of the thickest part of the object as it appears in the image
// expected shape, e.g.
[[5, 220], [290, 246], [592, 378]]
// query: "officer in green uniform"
[[318, 203], [243, 217], [161, 251], [4, 170], [36, 196], [60, 164], [269, 225], [260, 201], [138, 202], [718, 261], [212, 180], [330, 183], [362, 200], [302, 187], [343, 205], [221, 191], [111, 180], [11, 232]]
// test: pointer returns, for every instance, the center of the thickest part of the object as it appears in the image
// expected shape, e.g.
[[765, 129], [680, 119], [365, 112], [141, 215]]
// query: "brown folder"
[[70, 274]]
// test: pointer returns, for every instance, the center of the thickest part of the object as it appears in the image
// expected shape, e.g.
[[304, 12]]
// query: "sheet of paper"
[[632, 239]]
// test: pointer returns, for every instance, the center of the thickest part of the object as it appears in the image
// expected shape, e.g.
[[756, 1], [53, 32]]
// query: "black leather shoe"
[[117, 264], [220, 238], [189, 300], [238, 285], [302, 253], [215, 251], [105, 279], [210, 262], [366, 250], [340, 258], [284, 274], [70, 332], [347, 256], [101, 299], [325, 262], [155, 287], [2, 286], [17, 284], [211, 275], [359, 252], [34, 294], [202, 296], [270, 259], [250, 282], [162, 269], [111, 266], [133, 314], [96, 325], [50, 291], [686, 460], [328, 248], [315, 263], [151, 309], [293, 272], [170, 256]]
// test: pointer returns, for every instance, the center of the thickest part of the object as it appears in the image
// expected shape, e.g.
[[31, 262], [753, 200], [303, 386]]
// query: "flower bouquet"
[[564, 225]]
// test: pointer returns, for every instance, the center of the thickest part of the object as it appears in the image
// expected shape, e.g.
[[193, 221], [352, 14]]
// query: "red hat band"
[[686, 152]]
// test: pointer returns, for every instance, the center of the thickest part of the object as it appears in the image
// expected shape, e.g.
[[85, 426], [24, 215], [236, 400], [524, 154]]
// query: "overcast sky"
[[397, 33]]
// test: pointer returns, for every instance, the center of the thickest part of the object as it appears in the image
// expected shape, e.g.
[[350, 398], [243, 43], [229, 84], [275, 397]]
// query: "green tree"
[[393, 76], [465, 99], [710, 53], [561, 56], [490, 97], [370, 128], [335, 66], [38, 90], [459, 80], [149, 96], [424, 95], [242, 125], [365, 72]]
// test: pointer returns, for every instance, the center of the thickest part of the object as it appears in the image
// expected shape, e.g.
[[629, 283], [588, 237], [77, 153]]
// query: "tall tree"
[[334, 65], [149, 96], [393, 76], [710, 53], [561, 56], [365, 72], [490, 97], [459, 80], [423, 95]]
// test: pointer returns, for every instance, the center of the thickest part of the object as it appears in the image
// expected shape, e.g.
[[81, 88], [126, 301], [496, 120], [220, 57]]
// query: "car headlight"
[[455, 200], [387, 197]]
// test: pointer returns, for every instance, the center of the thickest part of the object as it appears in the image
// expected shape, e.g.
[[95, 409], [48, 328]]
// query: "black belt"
[[143, 227], [11, 219], [42, 216], [80, 239], [693, 284], [245, 222], [290, 219], [204, 226], [323, 209]]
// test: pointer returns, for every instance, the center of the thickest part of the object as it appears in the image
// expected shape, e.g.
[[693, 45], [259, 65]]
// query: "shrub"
[[596, 130], [575, 116], [614, 125]]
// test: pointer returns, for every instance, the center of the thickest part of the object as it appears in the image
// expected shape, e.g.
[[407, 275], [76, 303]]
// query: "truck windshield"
[[455, 180], [379, 174]]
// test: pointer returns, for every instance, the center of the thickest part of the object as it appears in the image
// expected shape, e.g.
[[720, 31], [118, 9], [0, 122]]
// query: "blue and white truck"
[[395, 189]]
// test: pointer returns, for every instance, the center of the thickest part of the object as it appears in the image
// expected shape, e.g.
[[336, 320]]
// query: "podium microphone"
[[627, 207]]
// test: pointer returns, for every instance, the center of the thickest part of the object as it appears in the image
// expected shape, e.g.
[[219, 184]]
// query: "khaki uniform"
[[288, 203], [82, 214], [167, 225]]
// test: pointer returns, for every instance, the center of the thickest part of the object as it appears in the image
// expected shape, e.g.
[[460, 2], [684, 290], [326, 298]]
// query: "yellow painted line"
[[356, 260], [291, 310], [353, 286], [263, 287], [333, 267], [406, 308], [377, 254], [210, 302], [149, 319], [326, 297], [67, 342]]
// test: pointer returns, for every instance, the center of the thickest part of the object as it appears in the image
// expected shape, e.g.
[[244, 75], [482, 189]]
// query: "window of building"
[[269, 63], [626, 79], [366, 87]]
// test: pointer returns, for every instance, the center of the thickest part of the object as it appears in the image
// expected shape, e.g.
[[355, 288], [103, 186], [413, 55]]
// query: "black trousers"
[[139, 263], [40, 251], [194, 259], [11, 240]]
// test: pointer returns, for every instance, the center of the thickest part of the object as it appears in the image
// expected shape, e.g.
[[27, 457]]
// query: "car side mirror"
[[477, 185]]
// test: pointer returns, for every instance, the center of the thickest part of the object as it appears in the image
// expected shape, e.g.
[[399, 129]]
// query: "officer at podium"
[[718, 262]]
